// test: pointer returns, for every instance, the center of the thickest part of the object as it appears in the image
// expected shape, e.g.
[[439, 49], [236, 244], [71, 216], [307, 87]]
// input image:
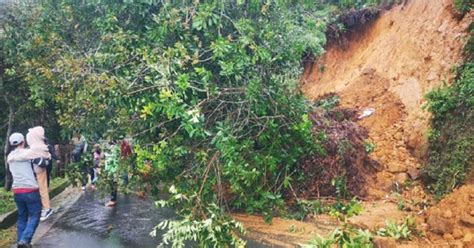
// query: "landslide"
[[389, 65]]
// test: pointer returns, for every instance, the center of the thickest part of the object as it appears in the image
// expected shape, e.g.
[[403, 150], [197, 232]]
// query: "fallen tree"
[[208, 91]]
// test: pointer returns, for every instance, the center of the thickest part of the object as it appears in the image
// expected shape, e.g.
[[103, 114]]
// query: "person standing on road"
[[37, 148], [25, 189], [96, 160], [80, 147], [119, 163], [126, 153], [54, 157], [111, 169]]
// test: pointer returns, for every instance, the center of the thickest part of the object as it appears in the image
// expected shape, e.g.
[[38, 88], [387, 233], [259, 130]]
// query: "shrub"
[[463, 6], [451, 143], [403, 231], [342, 237], [6, 201], [215, 230]]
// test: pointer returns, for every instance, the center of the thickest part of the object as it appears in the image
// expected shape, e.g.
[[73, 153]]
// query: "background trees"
[[19, 109]]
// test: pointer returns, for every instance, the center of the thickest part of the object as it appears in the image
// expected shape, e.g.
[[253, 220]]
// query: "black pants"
[[114, 185], [48, 173], [84, 175], [113, 194]]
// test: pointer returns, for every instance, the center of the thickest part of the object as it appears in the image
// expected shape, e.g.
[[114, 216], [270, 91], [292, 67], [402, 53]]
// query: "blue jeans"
[[29, 213]]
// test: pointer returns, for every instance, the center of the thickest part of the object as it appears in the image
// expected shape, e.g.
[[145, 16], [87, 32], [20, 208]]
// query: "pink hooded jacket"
[[37, 147]]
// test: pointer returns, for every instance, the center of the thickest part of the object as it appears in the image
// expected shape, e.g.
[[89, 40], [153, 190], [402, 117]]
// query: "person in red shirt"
[[125, 149]]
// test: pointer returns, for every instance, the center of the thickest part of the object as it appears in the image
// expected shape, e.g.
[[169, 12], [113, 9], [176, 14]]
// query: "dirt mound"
[[452, 219], [344, 157], [389, 67]]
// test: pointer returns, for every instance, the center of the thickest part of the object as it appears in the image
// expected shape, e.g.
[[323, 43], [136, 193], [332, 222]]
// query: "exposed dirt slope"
[[390, 66]]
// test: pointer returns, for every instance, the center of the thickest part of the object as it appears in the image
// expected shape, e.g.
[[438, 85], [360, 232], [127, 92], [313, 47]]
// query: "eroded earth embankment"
[[388, 66]]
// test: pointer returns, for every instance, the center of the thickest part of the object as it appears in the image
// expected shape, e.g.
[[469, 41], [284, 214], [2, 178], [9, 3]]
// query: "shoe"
[[45, 213], [83, 188], [111, 204], [22, 244]]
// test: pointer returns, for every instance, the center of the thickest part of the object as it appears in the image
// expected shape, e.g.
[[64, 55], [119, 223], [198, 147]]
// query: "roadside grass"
[[57, 181], [7, 236], [7, 203]]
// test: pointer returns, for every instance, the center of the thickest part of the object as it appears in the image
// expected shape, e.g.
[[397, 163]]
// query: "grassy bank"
[[7, 236], [7, 203]]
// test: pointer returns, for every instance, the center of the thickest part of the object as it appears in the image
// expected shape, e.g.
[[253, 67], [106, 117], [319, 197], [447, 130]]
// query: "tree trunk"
[[8, 175]]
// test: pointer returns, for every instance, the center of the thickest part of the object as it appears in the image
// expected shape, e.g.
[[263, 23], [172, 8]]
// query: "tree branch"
[[154, 127], [8, 178]]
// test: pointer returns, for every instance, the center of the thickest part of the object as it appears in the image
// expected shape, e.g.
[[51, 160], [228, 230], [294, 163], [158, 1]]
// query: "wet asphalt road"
[[89, 224], [81, 220]]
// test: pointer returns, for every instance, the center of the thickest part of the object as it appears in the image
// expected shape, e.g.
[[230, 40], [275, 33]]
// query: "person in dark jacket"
[[80, 147], [54, 157]]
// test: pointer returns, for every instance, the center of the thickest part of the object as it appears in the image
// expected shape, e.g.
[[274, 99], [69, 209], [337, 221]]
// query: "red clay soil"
[[451, 221], [389, 66]]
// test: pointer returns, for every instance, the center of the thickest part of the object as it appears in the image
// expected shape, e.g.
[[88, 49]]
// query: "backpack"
[[41, 162]]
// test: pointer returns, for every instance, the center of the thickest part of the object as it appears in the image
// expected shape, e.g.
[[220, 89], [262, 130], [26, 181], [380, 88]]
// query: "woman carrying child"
[[38, 149]]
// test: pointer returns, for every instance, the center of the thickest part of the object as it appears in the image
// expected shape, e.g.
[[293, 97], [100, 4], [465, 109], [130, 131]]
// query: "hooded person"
[[37, 148], [25, 191]]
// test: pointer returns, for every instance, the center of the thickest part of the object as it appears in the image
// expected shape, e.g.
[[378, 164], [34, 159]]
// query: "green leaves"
[[345, 237], [215, 230], [451, 143], [463, 6], [205, 18], [403, 231]]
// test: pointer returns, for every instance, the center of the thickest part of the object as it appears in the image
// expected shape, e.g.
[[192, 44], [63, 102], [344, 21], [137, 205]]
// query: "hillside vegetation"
[[451, 156]]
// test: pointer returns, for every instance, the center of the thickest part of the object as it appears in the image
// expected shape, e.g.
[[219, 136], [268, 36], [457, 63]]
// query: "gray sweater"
[[22, 172]]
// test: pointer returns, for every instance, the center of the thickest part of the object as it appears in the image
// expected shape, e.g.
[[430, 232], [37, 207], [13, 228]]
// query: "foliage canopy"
[[207, 90]]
